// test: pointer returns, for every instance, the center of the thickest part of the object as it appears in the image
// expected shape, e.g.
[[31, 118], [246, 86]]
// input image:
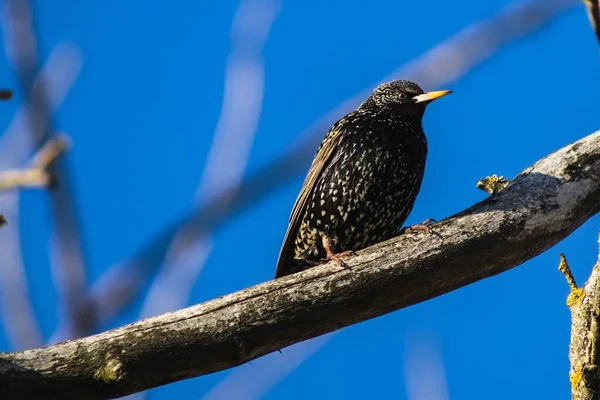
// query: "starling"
[[363, 181]]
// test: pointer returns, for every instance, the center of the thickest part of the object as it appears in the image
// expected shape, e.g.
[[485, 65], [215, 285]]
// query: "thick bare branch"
[[540, 207], [584, 350]]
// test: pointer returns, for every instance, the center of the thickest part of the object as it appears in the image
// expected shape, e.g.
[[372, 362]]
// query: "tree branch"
[[593, 11], [540, 207], [584, 353], [37, 174]]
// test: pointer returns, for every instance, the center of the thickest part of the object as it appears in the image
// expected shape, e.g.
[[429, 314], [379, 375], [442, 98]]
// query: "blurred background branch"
[[36, 174], [70, 273], [16, 144], [424, 370], [254, 380], [226, 162], [593, 10]]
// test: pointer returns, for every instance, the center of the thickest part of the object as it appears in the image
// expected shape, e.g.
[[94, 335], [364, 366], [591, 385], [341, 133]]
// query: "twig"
[[50, 151], [576, 294], [584, 354], [593, 11], [541, 206], [25, 178], [37, 175], [457, 55]]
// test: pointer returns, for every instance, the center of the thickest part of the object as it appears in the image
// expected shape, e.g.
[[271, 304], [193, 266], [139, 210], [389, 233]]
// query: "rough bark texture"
[[584, 351], [537, 209]]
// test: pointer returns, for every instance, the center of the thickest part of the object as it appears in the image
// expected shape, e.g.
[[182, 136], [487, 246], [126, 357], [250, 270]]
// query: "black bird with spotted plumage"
[[363, 181]]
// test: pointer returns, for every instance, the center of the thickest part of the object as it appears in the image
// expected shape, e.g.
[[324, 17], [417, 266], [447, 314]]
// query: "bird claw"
[[424, 226], [333, 256], [339, 262], [337, 258]]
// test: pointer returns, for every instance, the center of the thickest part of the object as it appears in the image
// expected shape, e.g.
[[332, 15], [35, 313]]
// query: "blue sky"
[[142, 114]]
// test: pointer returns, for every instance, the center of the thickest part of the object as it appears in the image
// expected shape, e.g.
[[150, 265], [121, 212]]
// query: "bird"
[[363, 181]]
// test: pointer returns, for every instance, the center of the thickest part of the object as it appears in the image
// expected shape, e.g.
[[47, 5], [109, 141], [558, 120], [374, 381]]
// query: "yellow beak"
[[430, 96]]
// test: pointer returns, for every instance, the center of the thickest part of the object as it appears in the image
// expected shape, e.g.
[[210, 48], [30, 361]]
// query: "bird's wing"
[[325, 155]]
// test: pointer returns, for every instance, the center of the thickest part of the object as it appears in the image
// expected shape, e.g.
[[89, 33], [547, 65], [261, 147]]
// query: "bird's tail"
[[287, 264], [284, 263]]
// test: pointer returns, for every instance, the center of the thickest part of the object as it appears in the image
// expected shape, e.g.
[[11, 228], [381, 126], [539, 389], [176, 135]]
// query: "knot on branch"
[[111, 371], [492, 184], [577, 294]]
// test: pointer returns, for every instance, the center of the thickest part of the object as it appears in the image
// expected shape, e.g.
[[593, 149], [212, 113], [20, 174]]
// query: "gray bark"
[[540, 207], [584, 350]]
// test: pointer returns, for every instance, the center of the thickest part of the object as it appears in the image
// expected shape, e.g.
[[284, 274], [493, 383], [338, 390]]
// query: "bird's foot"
[[424, 226], [337, 257]]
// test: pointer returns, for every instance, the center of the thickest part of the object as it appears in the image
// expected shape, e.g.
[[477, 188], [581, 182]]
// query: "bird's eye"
[[402, 95]]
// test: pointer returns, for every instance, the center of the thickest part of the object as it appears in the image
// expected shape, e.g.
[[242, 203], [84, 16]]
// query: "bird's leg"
[[333, 256], [424, 226]]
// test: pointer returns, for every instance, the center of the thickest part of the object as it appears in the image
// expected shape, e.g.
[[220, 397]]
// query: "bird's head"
[[402, 96]]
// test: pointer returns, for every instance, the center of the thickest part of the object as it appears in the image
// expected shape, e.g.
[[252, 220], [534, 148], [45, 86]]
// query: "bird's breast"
[[369, 177]]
